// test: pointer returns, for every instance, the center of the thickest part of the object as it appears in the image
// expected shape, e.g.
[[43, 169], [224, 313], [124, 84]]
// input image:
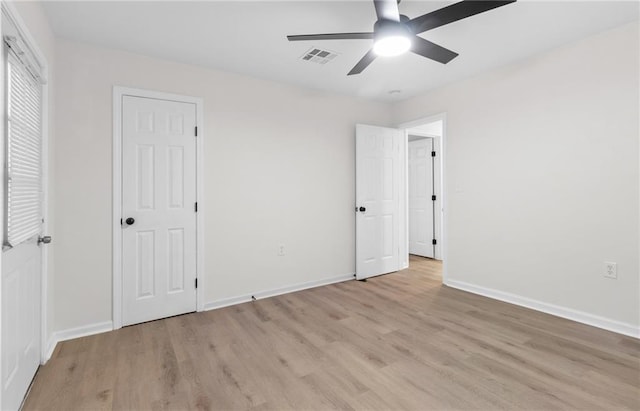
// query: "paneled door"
[[421, 202], [379, 177], [21, 273], [24, 216], [158, 208]]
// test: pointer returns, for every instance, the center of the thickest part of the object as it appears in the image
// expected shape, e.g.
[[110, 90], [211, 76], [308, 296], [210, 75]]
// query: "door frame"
[[12, 13], [443, 193], [118, 93], [435, 174], [437, 184]]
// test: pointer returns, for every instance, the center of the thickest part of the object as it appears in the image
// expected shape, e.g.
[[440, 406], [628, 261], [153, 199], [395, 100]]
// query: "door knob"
[[130, 220], [44, 240], [363, 209]]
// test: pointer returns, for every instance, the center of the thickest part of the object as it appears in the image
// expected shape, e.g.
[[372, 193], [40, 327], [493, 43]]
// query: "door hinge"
[[434, 241], [433, 198], [196, 131], [196, 283], [196, 206], [433, 154]]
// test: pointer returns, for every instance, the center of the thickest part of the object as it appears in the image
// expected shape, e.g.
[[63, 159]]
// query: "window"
[[23, 202]]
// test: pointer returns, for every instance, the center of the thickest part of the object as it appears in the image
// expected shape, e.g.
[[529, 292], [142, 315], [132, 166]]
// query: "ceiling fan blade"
[[387, 9], [363, 63], [454, 12], [331, 36], [432, 51]]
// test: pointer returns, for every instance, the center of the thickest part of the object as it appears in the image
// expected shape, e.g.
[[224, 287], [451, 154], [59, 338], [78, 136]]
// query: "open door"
[[380, 179], [24, 211], [421, 198]]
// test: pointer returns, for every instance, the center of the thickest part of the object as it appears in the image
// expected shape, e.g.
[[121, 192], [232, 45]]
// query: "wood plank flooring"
[[400, 341]]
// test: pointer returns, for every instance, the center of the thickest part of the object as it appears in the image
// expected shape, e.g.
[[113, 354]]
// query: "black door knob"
[[363, 209], [130, 220]]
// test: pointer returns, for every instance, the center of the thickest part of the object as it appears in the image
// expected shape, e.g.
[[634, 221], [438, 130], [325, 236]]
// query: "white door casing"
[[421, 204], [379, 177], [440, 188], [159, 192]]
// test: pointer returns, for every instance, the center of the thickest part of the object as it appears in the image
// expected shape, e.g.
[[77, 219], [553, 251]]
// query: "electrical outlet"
[[610, 270], [281, 250]]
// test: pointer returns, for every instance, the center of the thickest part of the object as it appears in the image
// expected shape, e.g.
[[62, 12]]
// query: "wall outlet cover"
[[610, 270]]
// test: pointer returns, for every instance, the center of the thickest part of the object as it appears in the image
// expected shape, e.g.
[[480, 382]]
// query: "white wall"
[[542, 176], [279, 169], [36, 23]]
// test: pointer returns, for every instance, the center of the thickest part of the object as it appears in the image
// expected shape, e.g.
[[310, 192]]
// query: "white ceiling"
[[249, 37]]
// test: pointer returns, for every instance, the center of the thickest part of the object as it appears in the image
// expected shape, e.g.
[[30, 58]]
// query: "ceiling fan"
[[394, 33]]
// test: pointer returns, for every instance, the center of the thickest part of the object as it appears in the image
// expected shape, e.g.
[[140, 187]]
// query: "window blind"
[[24, 153]]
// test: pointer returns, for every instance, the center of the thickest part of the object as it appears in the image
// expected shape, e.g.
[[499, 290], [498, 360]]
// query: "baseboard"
[[212, 305], [226, 302], [77, 332], [558, 311], [51, 346]]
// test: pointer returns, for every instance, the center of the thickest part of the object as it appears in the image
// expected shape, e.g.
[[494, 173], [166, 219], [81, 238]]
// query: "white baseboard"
[[77, 332], [212, 305], [51, 346], [564, 312], [105, 326], [226, 302]]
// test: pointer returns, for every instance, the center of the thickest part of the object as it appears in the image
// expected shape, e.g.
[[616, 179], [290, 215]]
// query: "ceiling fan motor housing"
[[388, 28]]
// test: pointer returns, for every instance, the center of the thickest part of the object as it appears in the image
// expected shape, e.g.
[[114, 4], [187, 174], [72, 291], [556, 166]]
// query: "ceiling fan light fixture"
[[390, 46], [391, 38]]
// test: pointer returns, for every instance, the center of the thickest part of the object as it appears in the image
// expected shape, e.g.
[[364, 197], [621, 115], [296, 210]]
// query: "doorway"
[[425, 187], [157, 228], [421, 196], [382, 195]]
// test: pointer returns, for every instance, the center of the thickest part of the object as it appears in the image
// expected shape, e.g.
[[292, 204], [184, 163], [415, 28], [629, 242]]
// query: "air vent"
[[319, 56]]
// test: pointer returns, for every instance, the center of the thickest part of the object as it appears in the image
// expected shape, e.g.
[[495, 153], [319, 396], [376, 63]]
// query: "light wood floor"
[[400, 341]]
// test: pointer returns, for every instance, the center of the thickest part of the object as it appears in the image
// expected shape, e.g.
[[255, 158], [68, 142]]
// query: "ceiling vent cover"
[[320, 56]]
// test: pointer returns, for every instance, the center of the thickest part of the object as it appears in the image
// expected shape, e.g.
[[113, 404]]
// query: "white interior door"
[[158, 208], [21, 273], [21, 256], [379, 177], [421, 203]]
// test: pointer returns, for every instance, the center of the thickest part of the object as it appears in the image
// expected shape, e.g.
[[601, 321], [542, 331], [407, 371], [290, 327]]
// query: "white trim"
[[117, 210], [85, 330], [44, 249], [443, 186], [26, 35], [559, 311], [118, 93], [200, 273], [77, 332], [30, 42], [2, 176], [51, 346], [225, 302], [438, 183], [403, 205]]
